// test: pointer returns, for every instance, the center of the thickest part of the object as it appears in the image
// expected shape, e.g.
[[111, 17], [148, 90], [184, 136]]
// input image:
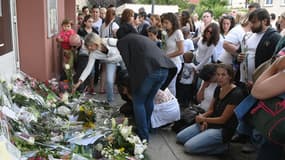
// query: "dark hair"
[[111, 6], [85, 20], [229, 70], [215, 35], [143, 14], [153, 29], [260, 14], [95, 6], [232, 20], [273, 16], [254, 5], [83, 8], [110, 15], [67, 21], [187, 19], [172, 18], [207, 72], [209, 11]]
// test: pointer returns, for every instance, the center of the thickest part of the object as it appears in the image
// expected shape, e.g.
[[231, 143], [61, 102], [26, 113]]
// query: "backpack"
[[188, 116], [268, 117]]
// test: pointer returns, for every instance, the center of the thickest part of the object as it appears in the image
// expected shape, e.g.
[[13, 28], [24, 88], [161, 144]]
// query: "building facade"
[[28, 29], [273, 6]]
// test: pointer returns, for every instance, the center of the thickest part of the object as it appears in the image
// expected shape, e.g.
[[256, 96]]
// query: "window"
[[268, 2], [282, 2], [0, 8], [52, 17]]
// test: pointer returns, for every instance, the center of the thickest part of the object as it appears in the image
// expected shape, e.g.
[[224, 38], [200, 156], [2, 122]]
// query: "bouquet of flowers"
[[122, 143], [163, 39]]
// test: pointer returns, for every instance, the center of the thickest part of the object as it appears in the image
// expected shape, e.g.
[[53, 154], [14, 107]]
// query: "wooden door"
[[6, 44]]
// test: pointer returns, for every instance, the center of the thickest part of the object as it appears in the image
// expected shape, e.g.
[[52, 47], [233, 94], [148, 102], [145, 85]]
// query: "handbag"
[[261, 68], [268, 117]]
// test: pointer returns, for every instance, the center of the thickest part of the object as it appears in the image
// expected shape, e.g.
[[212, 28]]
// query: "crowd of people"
[[176, 59]]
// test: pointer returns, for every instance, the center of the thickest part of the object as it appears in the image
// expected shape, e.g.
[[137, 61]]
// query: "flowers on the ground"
[[42, 119], [123, 143]]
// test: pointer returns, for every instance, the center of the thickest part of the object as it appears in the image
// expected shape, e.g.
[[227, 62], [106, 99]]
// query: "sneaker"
[[240, 138], [248, 148]]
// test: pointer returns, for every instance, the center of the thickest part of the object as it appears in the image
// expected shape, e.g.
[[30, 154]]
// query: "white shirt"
[[234, 36], [113, 56], [203, 54], [219, 49], [188, 46], [208, 96], [105, 30], [187, 74], [97, 25], [247, 67], [171, 45]]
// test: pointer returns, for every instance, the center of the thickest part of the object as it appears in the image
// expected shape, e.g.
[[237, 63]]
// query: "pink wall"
[[39, 55]]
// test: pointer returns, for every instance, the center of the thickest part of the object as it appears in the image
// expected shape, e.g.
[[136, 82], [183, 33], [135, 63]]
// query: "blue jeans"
[[208, 142], [143, 101], [110, 78]]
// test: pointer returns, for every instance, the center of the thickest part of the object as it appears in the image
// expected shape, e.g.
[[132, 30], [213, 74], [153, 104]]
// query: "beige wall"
[[39, 55], [277, 7]]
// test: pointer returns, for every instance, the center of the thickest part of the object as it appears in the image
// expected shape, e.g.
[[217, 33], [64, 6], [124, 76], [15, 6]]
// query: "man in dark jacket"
[[258, 46], [149, 70]]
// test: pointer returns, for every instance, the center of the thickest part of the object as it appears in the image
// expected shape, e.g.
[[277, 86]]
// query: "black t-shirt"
[[234, 97]]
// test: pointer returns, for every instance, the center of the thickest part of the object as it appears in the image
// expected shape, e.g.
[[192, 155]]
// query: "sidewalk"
[[163, 145]]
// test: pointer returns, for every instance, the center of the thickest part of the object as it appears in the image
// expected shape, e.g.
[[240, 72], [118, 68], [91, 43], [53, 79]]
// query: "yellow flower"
[[122, 149], [81, 108]]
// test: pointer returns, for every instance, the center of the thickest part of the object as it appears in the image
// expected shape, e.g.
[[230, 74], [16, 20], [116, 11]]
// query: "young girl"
[[85, 29], [206, 45], [174, 44]]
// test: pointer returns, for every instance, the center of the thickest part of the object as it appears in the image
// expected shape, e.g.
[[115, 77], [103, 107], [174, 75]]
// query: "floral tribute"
[[42, 120], [122, 143]]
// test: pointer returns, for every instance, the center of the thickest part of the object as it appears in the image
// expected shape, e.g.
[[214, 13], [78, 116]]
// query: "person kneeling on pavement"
[[166, 107], [211, 133]]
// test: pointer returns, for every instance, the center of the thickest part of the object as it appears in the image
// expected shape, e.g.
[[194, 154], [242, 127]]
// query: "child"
[[63, 38], [185, 86], [152, 33]]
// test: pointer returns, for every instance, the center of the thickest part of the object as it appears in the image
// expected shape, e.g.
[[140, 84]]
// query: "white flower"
[[64, 97], [10, 87], [53, 105], [31, 140], [164, 33], [99, 147], [106, 121], [113, 123], [67, 66], [126, 131]]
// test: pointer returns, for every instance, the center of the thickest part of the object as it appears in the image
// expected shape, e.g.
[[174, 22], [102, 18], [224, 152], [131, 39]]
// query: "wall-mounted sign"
[[52, 17]]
